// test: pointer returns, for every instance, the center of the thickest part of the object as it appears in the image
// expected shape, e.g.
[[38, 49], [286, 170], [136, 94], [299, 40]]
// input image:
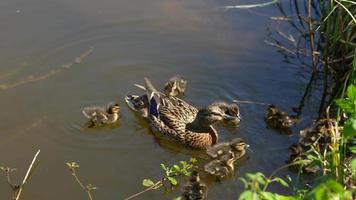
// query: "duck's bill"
[[130, 101], [233, 119], [133, 101]]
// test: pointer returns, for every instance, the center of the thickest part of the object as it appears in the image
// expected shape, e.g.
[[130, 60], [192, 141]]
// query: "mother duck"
[[177, 119]]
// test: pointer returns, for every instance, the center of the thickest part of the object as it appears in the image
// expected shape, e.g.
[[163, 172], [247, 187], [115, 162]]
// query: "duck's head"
[[175, 86], [138, 103], [220, 112], [113, 108], [272, 110], [239, 146]]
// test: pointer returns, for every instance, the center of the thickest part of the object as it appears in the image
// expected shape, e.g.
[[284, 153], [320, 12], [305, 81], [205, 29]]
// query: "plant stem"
[[27, 175]]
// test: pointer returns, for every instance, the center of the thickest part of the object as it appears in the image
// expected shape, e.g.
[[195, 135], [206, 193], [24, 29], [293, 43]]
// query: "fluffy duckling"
[[279, 120], [99, 115], [175, 87], [195, 189], [221, 167], [237, 146]]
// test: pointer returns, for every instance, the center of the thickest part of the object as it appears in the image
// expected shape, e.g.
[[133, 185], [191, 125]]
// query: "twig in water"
[[88, 188], [252, 5], [249, 102], [17, 189], [27, 175]]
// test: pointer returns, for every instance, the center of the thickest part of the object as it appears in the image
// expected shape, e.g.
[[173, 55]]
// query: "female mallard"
[[175, 87], [99, 116], [177, 119]]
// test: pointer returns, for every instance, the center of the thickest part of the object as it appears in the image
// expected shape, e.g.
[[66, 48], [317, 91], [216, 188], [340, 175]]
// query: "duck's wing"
[[94, 112], [216, 168], [154, 98], [218, 150]]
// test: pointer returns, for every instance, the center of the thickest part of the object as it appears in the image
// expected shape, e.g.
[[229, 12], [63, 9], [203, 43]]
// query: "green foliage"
[[348, 105], [328, 188], [171, 173], [256, 185], [147, 183], [353, 168]]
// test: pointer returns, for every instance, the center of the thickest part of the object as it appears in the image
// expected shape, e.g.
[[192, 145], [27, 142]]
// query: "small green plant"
[[89, 188], [169, 177], [256, 187]]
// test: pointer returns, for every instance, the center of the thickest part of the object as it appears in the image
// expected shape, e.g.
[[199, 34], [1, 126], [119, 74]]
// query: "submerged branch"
[[49, 74]]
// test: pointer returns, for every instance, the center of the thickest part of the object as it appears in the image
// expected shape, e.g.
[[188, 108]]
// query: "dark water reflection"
[[222, 54]]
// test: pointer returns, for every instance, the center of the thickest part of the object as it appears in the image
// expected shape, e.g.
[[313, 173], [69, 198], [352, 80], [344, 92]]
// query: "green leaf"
[[268, 196], [176, 168], [350, 128], [351, 92], [244, 182], [173, 181], [246, 195], [353, 149], [353, 167], [281, 181], [193, 160], [346, 105], [163, 166], [147, 182]]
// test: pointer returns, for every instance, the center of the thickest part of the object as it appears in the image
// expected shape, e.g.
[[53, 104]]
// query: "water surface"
[[221, 53]]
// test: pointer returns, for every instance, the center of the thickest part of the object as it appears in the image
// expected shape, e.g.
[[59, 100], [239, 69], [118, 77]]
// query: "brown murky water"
[[57, 57]]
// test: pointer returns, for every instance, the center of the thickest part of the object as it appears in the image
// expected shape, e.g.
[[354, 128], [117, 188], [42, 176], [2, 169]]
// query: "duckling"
[[221, 167], [175, 87], [237, 146], [279, 120], [195, 189], [99, 115]]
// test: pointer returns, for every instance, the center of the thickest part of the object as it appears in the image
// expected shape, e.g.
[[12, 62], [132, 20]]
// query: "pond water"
[[57, 57]]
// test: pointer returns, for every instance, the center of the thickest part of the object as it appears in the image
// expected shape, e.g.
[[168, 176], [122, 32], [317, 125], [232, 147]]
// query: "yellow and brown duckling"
[[175, 87], [222, 167], [175, 118], [195, 189], [237, 146], [100, 116], [279, 120], [225, 154]]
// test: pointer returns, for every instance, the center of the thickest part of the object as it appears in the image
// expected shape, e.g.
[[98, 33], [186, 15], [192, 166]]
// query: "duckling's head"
[[175, 86], [272, 110], [113, 108], [238, 146], [194, 177], [219, 112]]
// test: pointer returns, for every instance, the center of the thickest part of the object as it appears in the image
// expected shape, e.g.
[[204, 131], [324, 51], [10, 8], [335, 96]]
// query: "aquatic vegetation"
[[18, 188], [33, 78], [89, 188], [169, 178]]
